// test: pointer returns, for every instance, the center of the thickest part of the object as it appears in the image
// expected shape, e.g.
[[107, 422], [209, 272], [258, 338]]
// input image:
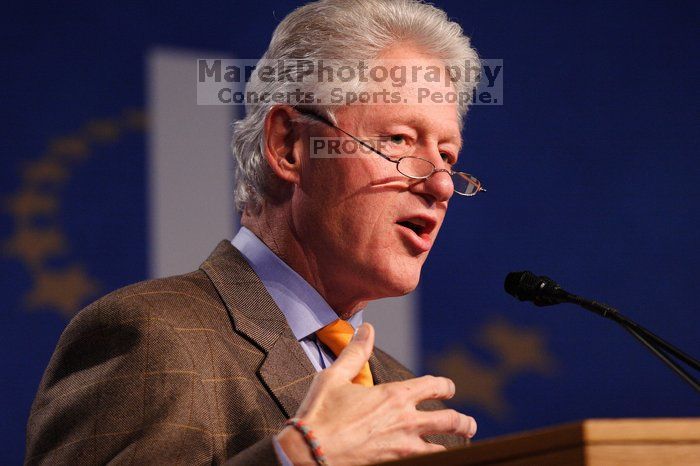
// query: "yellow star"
[[45, 170], [476, 384], [71, 147], [29, 203], [65, 291], [516, 350], [135, 119], [519, 348], [103, 130], [33, 246]]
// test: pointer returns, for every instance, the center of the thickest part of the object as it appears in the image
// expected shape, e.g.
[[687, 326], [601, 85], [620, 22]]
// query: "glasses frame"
[[435, 170]]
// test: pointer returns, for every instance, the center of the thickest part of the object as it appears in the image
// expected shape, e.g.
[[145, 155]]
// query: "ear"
[[281, 151]]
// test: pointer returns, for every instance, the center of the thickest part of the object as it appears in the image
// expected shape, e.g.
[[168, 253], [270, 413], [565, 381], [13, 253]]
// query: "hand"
[[358, 425]]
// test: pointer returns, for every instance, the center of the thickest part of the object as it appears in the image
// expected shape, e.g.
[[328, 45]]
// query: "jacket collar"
[[286, 371]]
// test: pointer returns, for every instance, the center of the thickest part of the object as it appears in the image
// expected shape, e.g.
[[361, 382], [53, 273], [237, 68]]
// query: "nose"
[[439, 186]]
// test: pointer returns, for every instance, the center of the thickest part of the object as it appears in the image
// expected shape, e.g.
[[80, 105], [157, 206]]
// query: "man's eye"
[[397, 139], [446, 157]]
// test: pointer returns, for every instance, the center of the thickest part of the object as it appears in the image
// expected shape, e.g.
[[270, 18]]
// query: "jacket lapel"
[[379, 372], [385, 370], [286, 371]]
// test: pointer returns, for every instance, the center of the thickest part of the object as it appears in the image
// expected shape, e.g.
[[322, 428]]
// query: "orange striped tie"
[[336, 337]]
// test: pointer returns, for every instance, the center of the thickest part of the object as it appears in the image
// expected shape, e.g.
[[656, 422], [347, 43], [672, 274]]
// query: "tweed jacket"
[[199, 368]]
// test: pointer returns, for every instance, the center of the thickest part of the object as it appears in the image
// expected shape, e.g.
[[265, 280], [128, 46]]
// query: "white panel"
[[396, 323], [190, 172]]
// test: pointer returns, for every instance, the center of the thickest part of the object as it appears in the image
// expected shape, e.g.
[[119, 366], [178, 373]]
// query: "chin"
[[388, 277], [401, 283]]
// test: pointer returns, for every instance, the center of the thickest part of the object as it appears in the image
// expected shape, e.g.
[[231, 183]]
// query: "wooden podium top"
[[589, 442]]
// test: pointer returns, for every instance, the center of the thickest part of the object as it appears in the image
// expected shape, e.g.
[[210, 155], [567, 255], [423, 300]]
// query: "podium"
[[593, 442]]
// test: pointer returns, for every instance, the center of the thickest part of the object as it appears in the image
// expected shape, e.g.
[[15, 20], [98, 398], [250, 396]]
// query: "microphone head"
[[526, 286], [522, 285]]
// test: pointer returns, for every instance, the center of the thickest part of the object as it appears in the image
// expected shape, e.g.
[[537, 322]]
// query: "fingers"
[[427, 387], [445, 421], [417, 446], [432, 448], [353, 358]]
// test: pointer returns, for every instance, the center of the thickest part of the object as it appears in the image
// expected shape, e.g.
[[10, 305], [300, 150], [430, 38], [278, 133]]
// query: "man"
[[207, 367]]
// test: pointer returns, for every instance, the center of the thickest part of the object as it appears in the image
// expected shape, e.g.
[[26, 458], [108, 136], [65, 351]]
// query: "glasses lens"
[[415, 167], [391, 148], [465, 184]]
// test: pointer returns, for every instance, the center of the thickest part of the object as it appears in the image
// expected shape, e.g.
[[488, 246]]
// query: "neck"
[[274, 227]]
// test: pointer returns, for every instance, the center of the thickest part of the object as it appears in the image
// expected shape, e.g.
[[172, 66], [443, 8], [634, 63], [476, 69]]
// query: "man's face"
[[366, 229]]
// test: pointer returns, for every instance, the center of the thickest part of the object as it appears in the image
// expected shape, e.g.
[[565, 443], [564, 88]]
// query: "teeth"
[[418, 221]]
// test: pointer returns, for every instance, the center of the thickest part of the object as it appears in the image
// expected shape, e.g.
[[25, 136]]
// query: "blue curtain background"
[[591, 164]]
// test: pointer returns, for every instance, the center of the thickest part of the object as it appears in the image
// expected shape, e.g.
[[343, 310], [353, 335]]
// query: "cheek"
[[341, 207], [320, 203], [329, 179], [360, 224], [341, 184]]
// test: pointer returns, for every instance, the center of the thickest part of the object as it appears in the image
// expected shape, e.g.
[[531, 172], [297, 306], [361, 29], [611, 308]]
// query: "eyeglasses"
[[408, 165]]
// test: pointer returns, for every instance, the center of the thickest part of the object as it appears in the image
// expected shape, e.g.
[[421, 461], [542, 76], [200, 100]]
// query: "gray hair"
[[332, 31]]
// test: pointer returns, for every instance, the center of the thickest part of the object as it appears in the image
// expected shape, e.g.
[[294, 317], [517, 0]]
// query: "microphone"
[[543, 291]]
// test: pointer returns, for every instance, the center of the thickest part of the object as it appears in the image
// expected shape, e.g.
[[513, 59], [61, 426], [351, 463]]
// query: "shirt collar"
[[304, 308]]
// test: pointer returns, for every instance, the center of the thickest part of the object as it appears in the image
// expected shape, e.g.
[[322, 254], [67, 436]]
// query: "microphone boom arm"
[[613, 314], [543, 291]]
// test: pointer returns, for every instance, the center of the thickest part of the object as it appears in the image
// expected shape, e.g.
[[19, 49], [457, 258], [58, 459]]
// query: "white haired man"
[[209, 367]]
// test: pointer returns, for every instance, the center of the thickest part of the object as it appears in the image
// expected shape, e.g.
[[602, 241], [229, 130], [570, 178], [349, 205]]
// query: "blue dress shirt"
[[305, 310]]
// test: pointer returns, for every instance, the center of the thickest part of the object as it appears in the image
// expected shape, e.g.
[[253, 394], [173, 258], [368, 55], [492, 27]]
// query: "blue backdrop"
[[591, 164]]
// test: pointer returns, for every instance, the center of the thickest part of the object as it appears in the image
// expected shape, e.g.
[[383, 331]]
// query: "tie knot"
[[336, 335]]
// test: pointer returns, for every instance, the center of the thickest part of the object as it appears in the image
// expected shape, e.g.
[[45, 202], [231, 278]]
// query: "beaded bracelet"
[[310, 439]]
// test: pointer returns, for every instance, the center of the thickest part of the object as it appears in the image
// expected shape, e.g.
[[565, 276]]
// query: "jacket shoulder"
[[136, 361], [177, 301], [187, 289]]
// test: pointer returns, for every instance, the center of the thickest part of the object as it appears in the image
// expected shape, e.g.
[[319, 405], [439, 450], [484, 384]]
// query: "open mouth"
[[421, 228], [421, 225], [418, 226]]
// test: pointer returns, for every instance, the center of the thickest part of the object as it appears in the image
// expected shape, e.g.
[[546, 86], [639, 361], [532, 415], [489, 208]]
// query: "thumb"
[[354, 356]]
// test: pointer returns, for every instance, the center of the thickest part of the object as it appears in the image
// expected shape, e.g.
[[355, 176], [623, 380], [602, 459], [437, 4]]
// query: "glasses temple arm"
[[329, 123], [368, 146]]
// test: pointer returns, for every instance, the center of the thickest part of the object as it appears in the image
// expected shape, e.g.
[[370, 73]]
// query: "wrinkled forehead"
[[407, 85], [440, 118], [415, 95]]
